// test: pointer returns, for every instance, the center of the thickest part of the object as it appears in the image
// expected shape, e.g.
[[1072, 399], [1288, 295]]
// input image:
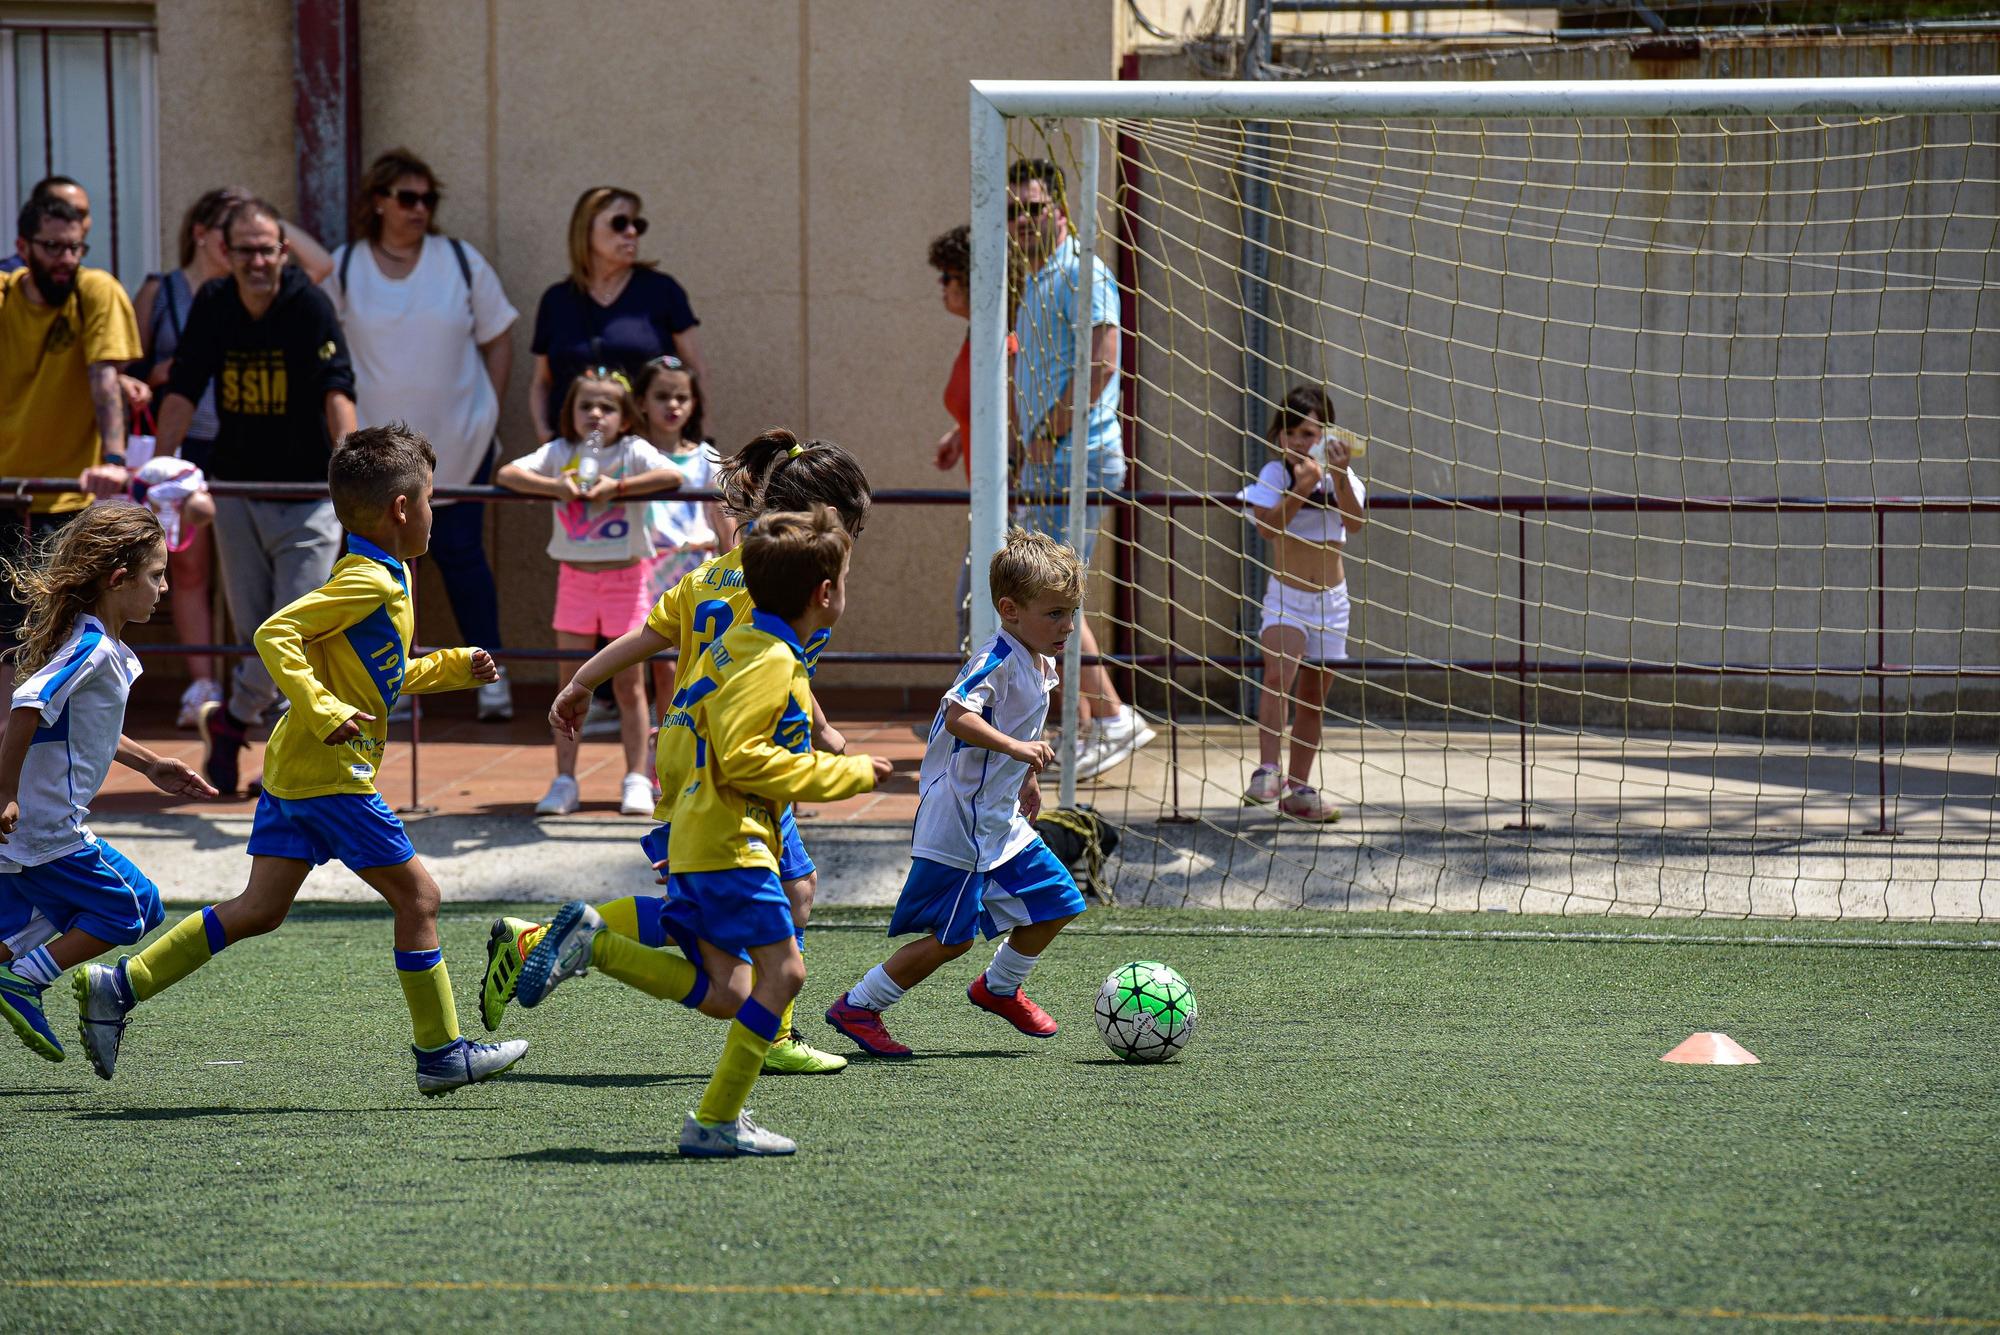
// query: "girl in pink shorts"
[[596, 473]]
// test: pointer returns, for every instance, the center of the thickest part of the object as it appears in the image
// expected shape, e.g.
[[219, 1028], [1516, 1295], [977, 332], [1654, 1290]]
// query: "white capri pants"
[[1320, 613]]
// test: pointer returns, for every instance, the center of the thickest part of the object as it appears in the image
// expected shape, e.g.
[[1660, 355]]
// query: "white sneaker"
[[462, 1062], [637, 799], [496, 699], [561, 799], [601, 721], [1266, 784], [724, 1140], [1126, 724], [199, 692]]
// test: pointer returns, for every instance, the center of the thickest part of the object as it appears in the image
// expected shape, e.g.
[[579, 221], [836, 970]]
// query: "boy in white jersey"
[[66, 895], [976, 862]]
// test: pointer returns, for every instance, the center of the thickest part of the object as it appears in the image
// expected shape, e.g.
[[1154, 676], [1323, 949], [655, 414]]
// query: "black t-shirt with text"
[[271, 376]]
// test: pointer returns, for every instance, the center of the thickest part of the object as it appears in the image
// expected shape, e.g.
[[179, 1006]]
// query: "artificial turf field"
[[1367, 1131]]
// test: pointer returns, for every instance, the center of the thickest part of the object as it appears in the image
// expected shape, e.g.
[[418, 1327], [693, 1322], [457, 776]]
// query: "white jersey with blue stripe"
[[969, 808], [80, 694]]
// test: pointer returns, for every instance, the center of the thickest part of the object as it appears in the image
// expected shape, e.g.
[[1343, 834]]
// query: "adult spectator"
[[613, 310], [63, 188], [428, 327], [64, 333], [1043, 369], [268, 340], [951, 256], [162, 304]]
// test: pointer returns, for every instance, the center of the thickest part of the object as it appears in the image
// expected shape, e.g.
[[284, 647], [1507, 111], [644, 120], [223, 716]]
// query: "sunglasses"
[[1029, 208], [622, 223], [409, 199], [257, 252]]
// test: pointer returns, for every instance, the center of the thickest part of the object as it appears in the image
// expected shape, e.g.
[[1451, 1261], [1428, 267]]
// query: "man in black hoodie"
[[284, 396]]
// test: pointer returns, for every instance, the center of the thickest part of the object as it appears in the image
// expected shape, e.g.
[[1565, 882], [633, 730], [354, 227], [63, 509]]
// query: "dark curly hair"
[[951, 253]]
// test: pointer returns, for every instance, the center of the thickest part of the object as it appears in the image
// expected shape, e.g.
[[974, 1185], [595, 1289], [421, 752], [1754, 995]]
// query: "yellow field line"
[[984, 1294]]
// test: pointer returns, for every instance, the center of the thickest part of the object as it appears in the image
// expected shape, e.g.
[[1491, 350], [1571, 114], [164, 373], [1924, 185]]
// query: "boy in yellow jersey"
[[341, 656], [778, 472], [741, 734]]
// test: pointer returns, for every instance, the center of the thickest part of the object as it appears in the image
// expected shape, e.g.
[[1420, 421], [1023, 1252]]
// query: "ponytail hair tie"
[[795, 451]]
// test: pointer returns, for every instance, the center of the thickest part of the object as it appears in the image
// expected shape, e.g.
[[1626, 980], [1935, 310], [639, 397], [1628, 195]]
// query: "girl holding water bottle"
[[598, 475]]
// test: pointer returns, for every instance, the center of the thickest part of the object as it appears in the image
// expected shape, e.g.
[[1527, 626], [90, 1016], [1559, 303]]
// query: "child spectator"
[[594, 471], [67, 895], [742, 739], [976, 862], [685, 533], [345, 642], [1304, 501]]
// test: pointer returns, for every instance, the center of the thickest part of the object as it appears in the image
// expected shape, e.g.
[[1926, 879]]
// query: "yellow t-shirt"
[[340, 650], [48, 422], [739, 735]]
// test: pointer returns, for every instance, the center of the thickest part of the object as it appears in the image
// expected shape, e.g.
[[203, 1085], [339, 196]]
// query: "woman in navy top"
[[613, 310]]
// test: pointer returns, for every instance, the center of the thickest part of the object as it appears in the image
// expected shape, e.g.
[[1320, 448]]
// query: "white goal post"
[[1079, 116]]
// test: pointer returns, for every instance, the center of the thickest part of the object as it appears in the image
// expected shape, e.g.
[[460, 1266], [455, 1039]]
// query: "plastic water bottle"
[[587, 466]]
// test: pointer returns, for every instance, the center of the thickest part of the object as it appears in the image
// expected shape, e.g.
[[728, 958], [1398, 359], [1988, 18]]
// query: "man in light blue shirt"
[[1044, 367]]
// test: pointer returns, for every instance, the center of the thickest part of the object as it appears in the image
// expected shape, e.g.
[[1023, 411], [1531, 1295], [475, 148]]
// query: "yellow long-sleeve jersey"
[[696, 612], [738, 744], [344, 649]]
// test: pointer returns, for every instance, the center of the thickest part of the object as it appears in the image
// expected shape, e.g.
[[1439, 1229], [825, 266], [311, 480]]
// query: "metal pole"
[[1527, 821], [1882, 828], [989, 359], [1084, 222], [1254, 283]]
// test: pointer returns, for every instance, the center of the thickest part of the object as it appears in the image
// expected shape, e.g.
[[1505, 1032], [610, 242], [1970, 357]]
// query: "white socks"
[[876, 991], [36, 967], [1008, 970]]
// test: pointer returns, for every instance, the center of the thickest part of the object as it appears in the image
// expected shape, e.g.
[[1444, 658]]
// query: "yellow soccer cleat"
[[506, 946], [792, 1055]]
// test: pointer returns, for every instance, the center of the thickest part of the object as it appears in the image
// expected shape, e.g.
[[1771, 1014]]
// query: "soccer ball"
[[1145, 1011]]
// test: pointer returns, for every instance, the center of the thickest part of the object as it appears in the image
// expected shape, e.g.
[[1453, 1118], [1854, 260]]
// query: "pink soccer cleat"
[[865, 1027], [1016, 1010]]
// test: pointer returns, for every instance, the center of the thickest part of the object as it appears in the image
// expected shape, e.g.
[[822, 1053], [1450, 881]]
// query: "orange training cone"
[[1711, 1050]]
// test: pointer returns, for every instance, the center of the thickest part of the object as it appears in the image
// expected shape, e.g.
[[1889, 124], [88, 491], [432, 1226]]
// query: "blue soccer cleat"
[[21, 1003], [563, 952], [462, 1062]]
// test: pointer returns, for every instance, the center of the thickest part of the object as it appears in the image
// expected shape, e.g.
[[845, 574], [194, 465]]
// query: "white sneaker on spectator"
[[561, 799], [601, 721], [1125, 724], [1112, 742], [496, 699], [637, 798], [200, 691]]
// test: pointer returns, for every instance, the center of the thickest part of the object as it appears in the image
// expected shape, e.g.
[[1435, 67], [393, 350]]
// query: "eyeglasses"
[[1025, 208], [56, 250], [622, 223], [409, 199], [257, 252]]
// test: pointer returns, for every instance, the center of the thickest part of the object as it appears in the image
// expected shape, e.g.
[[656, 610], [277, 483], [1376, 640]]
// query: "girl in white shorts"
[[684, 533], [1304, 509]]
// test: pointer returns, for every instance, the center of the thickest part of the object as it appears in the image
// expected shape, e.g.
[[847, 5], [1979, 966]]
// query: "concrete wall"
[[795, 160], [1486, 338]]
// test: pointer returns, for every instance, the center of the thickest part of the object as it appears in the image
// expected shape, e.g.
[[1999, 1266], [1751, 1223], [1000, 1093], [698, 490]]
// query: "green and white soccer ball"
[[1145, 1011]]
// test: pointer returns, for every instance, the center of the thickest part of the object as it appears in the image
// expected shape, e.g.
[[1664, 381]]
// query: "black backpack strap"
[[346, 257], [465, 272]]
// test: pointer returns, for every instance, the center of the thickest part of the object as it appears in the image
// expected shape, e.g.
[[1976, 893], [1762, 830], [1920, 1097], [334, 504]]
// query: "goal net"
[[1677, 409]]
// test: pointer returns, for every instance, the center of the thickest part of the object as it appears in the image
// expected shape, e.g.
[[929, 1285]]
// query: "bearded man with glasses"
[[65, 331], [284, 397]]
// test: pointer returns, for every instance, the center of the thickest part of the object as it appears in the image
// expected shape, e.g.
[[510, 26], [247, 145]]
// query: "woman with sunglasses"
[[614, 309], [428, 326]]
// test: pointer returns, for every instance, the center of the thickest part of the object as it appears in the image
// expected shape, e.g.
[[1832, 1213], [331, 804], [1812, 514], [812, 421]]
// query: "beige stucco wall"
[[795, 160]]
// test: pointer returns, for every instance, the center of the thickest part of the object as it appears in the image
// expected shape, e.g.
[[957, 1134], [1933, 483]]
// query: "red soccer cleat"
[[865, 1027], [1016, 1010]]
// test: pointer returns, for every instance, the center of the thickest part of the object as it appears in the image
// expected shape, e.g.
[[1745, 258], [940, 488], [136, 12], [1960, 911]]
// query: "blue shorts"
[[1103, 470], [96, 889], [794, 863], [733, 910], [948, 902], [357, 828]]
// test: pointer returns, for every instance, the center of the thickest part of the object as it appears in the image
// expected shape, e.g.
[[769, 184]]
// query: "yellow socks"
[[655, 971], [636, 917], [427, 989], [188, 944], [751, 1034], [785, 1021]]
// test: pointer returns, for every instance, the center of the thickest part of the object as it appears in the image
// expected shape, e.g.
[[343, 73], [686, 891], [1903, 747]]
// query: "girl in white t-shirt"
[[1304, 508], [684, 533], [604, 552]]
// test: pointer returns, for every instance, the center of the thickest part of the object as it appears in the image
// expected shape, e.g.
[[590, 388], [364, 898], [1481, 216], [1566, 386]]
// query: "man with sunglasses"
[[284, 396], [1044, 329], [64, 333]]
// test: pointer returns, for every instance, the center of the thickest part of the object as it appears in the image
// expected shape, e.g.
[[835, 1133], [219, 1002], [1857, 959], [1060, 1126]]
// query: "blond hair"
[[588, 205], [62, 578], [1033, 564], [788, 555]]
